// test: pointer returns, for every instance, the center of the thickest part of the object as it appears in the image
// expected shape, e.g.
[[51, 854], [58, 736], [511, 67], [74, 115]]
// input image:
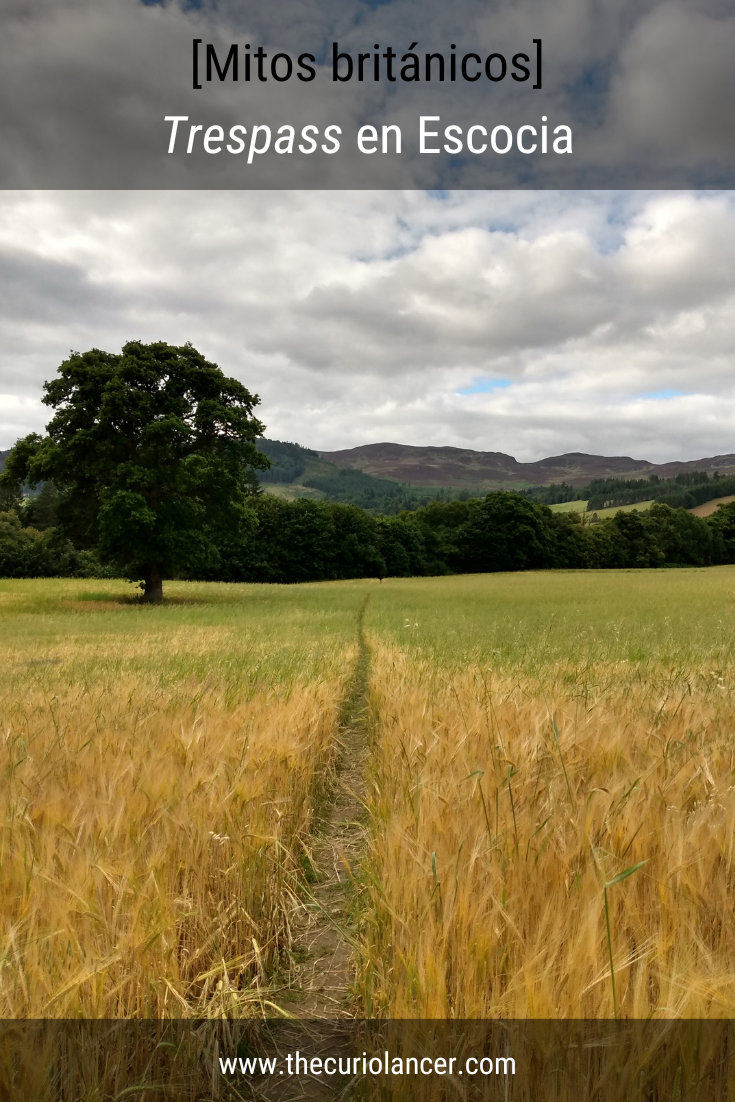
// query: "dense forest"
[[310, 540], [305, 540]]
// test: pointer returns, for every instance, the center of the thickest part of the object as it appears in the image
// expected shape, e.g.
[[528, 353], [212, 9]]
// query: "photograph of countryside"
[[367, 551], [367, 616]]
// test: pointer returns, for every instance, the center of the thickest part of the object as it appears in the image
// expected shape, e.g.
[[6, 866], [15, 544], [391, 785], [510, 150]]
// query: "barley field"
[[553, 803], [159, 771], [550, 805]]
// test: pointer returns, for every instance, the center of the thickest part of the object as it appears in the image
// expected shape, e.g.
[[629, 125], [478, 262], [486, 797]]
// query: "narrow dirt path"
[[323, 939]]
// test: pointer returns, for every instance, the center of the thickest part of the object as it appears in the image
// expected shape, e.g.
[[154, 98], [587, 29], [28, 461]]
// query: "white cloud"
[[360, 316]]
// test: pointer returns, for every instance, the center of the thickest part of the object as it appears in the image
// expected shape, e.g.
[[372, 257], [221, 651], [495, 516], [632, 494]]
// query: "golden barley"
[[507, 804], [159, 774]]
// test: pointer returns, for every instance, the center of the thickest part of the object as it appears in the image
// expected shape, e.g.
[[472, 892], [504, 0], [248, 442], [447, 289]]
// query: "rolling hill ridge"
[[463, 468]]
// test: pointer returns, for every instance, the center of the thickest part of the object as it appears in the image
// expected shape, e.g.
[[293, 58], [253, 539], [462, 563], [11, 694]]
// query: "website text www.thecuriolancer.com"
[[279, 1059], [294, 1063]]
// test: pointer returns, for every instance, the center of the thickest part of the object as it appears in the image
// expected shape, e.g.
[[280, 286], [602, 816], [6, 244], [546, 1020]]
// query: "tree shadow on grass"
[[133, 600]]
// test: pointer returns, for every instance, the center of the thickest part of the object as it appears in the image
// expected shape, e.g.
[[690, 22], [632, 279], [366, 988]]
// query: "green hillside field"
[[580, 506]]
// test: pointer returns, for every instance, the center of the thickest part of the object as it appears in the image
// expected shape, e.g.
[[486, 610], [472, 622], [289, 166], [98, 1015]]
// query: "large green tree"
[[152, 453]]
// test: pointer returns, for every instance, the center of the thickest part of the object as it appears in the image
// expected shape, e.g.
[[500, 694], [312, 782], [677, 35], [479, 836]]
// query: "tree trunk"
[[152, 583]]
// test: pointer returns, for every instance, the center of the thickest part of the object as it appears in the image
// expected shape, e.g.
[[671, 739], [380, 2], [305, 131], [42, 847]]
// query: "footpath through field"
[[323, 941]]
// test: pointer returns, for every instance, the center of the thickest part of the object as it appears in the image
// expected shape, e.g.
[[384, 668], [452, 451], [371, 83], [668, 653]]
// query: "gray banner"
[[284, 1060], [346, 94]]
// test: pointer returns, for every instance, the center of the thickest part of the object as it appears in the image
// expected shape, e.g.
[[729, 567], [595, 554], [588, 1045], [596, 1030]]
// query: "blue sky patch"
[[484, 386], [664, 394]]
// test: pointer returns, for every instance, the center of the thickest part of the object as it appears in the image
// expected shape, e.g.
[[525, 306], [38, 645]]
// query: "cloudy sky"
[[527, 322]]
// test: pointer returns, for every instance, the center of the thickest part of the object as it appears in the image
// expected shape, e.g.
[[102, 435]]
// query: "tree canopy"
[[152, 454]]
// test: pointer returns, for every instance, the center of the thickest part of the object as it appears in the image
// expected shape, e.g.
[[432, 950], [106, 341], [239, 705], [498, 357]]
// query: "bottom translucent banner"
[[527, 1061]]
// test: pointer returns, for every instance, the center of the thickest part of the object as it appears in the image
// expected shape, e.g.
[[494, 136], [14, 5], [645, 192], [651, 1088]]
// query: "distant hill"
[[298, 472], [464, 469]]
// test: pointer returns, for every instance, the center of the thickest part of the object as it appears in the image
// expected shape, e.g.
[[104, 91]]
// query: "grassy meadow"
[[550, 793]]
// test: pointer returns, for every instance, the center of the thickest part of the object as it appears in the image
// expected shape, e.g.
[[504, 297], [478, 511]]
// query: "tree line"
[[304, 541], [314, 541]]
